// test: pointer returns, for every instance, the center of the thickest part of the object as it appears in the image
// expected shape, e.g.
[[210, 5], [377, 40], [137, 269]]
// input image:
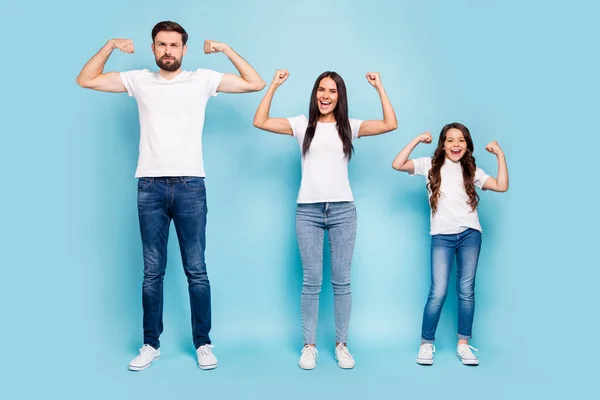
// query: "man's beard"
[[169, 67]]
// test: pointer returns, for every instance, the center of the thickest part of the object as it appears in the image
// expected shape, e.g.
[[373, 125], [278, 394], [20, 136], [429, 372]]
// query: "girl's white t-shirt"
[[325, 166], [454, 214]]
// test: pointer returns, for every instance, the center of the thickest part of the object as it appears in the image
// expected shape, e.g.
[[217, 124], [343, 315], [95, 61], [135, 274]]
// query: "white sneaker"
[[308, 359], [425, 356], [463, 351], [206, 358], [147, 355], [343, 357]]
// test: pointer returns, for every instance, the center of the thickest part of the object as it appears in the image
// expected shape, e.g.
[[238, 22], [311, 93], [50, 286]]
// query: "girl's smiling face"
[[455, 144]]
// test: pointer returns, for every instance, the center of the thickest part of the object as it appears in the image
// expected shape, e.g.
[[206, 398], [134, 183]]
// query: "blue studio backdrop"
[[521, 73]]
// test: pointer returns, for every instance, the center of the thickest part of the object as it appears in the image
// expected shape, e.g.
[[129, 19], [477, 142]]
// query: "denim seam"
[[192, 189]]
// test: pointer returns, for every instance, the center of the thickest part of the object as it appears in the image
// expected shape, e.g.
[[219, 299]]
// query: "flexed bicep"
[[109, 82]]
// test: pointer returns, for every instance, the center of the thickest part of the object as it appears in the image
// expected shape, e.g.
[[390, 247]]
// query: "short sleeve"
[[421, 166], [355, 127], [130, 79], [299, 125], [480, 178], [210, 80]]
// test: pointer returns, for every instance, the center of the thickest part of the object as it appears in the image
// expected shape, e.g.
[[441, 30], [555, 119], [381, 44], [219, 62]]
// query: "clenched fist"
[[374, 79], [125, 45], [494, 148], [210, 46], [425, 137], [281, 76]]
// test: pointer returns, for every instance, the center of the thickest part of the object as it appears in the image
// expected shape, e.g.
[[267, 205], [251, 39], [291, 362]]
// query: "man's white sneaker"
[[206, 358], [343, 357], [425, 356], [308, 359], [463, 351], [147, 355]]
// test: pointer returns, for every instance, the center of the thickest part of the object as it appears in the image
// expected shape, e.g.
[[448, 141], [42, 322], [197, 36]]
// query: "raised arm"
[[92, 77], [499, 184], [248, 81], [262, 119], [389, 123], [401, 162]]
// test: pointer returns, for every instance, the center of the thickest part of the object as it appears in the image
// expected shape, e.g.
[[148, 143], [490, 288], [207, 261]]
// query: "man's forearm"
[[247, 72], [94, 67]]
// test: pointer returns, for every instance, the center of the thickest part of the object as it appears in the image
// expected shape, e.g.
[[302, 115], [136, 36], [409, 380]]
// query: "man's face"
[[168, 49]]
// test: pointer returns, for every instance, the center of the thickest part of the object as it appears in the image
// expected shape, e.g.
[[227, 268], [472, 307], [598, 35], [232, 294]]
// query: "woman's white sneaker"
[[463, 351], [206, 358], [343, 357], [425, 356], [308, 359], [147, 355]]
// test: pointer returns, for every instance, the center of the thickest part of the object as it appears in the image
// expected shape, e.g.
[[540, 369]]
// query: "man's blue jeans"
[[183, 200]]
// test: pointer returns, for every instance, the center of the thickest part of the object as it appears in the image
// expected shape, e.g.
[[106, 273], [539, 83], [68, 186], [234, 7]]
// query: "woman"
[[325, 200]]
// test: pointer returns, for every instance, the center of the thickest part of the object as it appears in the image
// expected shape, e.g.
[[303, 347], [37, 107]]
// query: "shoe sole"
[[470, 363], [210, 366], [421, 361], [133, 368]]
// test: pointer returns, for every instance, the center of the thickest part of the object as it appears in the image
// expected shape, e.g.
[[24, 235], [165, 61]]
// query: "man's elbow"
[[389, 126], [82, 82], [258, 86]]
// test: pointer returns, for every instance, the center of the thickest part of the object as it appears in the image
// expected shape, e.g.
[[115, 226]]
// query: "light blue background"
[[522, 73]]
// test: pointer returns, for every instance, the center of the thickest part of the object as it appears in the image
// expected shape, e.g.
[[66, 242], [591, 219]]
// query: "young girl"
[[455, 231], [325, 201]]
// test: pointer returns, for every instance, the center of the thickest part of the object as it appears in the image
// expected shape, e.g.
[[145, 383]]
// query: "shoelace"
[[146, 349], [465, 349], [344, 351], [206, 349], [428, 349], [309, 350]]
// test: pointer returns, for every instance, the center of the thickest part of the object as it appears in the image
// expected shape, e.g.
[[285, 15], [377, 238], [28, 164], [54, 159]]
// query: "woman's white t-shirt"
[[325, 166], [454, 214]]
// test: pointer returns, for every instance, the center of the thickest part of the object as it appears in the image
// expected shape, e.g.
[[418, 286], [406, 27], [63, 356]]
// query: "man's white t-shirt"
[[454, 214], [171, 120], [325, 166]]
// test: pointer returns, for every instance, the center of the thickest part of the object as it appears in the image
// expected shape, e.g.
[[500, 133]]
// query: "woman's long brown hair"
[[467, 163]]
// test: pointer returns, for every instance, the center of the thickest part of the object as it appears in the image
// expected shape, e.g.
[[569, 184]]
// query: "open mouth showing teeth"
[[325, 103], [455, 152]]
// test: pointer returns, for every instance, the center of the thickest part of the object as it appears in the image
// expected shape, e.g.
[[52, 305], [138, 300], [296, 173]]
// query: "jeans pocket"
[[194, 184], [143, 183]]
